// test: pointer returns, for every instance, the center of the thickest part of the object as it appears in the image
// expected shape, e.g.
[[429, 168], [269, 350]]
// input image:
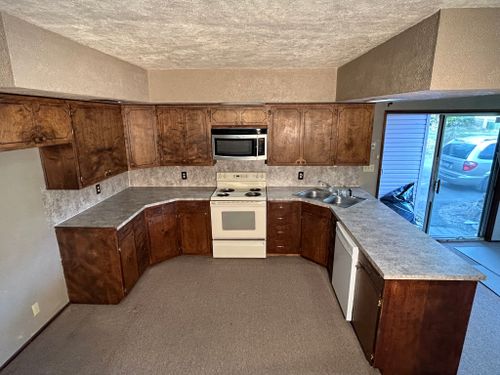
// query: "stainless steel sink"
[[318, 194], [328, 197]]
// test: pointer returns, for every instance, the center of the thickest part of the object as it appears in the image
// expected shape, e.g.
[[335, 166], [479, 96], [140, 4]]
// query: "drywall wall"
[[30, 265], [402, 64], [242, 85], [467, 50], [490, 103], [47, 62], [6, 78]]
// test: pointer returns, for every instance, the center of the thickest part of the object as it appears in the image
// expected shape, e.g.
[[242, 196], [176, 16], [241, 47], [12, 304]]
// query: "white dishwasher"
[[344, 269]]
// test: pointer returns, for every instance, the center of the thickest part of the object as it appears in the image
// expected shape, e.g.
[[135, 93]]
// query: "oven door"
[[242, 147], [238, 220]]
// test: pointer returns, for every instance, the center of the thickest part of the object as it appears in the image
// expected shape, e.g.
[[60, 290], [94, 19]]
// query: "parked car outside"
[[467, 161]]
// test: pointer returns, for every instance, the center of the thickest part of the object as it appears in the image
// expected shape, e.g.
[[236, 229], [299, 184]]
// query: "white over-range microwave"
[[239, 144]]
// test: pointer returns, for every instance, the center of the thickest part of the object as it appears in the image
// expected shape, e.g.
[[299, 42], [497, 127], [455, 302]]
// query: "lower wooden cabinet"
[[410, 326], [316, 229], [162, 229], [101, 265], [283, 227], [194, 227]]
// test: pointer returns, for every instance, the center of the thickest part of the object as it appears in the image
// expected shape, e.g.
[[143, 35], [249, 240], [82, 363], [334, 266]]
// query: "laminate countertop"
[[398, 249], [118, 210]]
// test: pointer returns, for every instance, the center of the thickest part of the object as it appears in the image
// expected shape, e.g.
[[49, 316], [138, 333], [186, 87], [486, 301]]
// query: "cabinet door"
[[366, 305], [315, 230], [52, 121], [100, 141], [141, 243], [194, 228], [128, 258], [162, 229], [197, 149], [16, 124], [285, 136], [283, 227], [170, 135], [140, 123], [225, 116], [355, 123], [319, 125], [254, 116]]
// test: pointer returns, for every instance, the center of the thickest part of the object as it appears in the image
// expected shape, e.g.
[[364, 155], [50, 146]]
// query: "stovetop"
[[249, 186]]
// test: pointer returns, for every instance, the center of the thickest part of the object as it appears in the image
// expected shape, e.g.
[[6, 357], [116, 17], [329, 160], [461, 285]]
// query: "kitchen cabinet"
[[28, 122], [96, 153], [302, 134], [184, 136], [354, 134], [128, 257], [140, 130], [283, 227], [316, 227], [194, 227], [100, 141], [367, 304], [410, 326], [162, 228], [225, 116], [141, 240]]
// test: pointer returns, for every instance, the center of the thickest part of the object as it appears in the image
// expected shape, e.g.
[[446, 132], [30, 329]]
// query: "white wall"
[[30, 266]]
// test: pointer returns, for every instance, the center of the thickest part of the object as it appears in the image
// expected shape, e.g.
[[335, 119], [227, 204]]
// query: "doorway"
[[451, 159]]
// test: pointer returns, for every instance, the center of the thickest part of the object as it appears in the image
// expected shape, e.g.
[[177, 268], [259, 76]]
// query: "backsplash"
[[60, 205], [276, 176]]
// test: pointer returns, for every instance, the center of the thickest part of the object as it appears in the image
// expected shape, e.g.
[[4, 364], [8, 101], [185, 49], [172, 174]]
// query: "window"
[[488, 152]]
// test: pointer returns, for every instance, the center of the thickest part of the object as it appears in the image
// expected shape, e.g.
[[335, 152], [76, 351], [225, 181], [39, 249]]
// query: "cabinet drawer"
[[194, 206]]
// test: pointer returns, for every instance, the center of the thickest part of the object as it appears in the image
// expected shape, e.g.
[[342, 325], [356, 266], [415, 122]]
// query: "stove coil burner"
[[252, 194], [226, 190], [255, 189], [223, 194]]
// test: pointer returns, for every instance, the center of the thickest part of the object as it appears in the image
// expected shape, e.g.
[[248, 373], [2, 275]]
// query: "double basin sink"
[[326, 196]]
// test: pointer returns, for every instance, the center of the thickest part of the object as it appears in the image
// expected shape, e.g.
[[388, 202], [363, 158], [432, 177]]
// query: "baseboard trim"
[[35, 335]]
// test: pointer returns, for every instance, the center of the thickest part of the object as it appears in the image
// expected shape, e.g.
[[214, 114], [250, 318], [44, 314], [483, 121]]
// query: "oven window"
[[238, 220], [235, 147]]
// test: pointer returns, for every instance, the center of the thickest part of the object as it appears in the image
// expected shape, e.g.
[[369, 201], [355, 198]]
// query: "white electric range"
[[239, 219]]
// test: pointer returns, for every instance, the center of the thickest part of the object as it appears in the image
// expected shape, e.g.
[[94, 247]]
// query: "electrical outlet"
[[184, 175], [98, 189], [300, 175], [35, 308], [369, 168]]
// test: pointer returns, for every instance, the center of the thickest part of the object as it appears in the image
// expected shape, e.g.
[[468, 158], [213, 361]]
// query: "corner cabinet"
[[184, 136], [316, 230], [96, 153]]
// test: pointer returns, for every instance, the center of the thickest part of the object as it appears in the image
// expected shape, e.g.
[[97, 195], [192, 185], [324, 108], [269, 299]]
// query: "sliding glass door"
[[463, 167]]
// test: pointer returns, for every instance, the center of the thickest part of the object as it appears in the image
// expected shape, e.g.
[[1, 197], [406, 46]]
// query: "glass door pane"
[[461, 181]]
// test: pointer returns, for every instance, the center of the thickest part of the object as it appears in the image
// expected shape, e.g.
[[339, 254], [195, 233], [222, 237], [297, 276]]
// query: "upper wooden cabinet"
[[302, 134], [99, 140], [355, 123], [27, 122], [140, 131], [183, 136], [239, 116], [97, 150]]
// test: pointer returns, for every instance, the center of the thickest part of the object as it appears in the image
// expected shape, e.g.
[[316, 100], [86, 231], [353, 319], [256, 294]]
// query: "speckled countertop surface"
[[394, 246], [119, 209]]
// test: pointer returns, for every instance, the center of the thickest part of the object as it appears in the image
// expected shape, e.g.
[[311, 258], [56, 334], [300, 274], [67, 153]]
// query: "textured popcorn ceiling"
[[156, 34]]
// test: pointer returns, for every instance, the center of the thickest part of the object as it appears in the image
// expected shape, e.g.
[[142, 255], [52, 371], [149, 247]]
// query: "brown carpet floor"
[[198, 315]]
